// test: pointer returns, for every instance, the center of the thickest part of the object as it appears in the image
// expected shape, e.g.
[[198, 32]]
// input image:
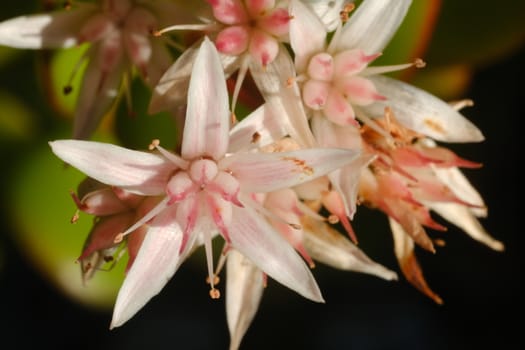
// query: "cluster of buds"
[[329, 133]]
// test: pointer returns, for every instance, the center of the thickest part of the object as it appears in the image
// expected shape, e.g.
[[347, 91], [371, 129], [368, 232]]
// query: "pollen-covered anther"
[[216, 280], [419, 63], [118, 238], [154, 144], [345, 12], [333, 219], [75, 217], [440, 242], [215, 293]]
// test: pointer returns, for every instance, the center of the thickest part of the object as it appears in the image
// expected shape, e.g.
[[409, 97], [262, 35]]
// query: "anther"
[[118, 238], [66, 90], [215, 293], [75, 217], [345, 13], [154, 144], [216, 280], [333, 219], [419, 63], [256, 137]]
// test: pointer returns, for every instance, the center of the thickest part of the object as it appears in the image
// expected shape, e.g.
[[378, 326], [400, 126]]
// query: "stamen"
[[458, 105], [418, 63], [178, 161], [214, 293], [345, 12], [197, 27], [374, 126], [149, 215], [68, 88], [243, 69]]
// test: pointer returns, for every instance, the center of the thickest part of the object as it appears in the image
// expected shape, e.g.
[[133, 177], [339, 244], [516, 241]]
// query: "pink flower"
[[119, 34], [204, 190]]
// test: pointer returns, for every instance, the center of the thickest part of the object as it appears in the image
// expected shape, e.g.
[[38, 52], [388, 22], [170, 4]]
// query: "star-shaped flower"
[[205, 190]]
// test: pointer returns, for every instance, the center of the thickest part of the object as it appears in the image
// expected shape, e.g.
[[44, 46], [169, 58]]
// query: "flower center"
[[333, 85]]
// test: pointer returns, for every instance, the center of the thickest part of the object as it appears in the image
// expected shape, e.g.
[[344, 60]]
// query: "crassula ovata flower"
[[205, 191], [119, 36]]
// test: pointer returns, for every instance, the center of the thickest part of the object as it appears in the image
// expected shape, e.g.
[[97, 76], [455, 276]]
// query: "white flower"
[[205, 190]]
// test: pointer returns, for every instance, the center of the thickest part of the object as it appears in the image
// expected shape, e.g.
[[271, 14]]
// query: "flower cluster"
[[331, 132]]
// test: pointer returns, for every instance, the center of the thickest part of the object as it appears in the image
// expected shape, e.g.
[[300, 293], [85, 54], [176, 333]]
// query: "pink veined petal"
[[259, 129], [158, 63], [207, 118], [346, 181], [282, 96], [46, 30], [156, 262], [372, 25], [138, 172], [171, 90], [229, 11], [244, 289], [332, 135], [233, 40], [422, 112], [255, 238], [98, 91], [307, 34], [267, 172]]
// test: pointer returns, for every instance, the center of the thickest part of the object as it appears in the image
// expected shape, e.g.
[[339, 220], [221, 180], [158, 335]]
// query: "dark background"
[[481, 288]]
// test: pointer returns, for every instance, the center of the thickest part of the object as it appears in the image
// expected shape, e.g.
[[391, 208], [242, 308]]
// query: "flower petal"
[[422, 112], [244, 289], [138, 172], [346, 181], [98, 91], [462, 217], [307, 34], [281, 93], [256, 239], [156, 262], [259, 129], [207, 117], [332, 248], [329, 12], [404, 249], [171, 91], [372, 25], [45, 30], [266, 172]]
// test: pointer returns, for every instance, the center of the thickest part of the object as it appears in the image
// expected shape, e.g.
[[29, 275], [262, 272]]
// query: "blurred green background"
[[473, 49]]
